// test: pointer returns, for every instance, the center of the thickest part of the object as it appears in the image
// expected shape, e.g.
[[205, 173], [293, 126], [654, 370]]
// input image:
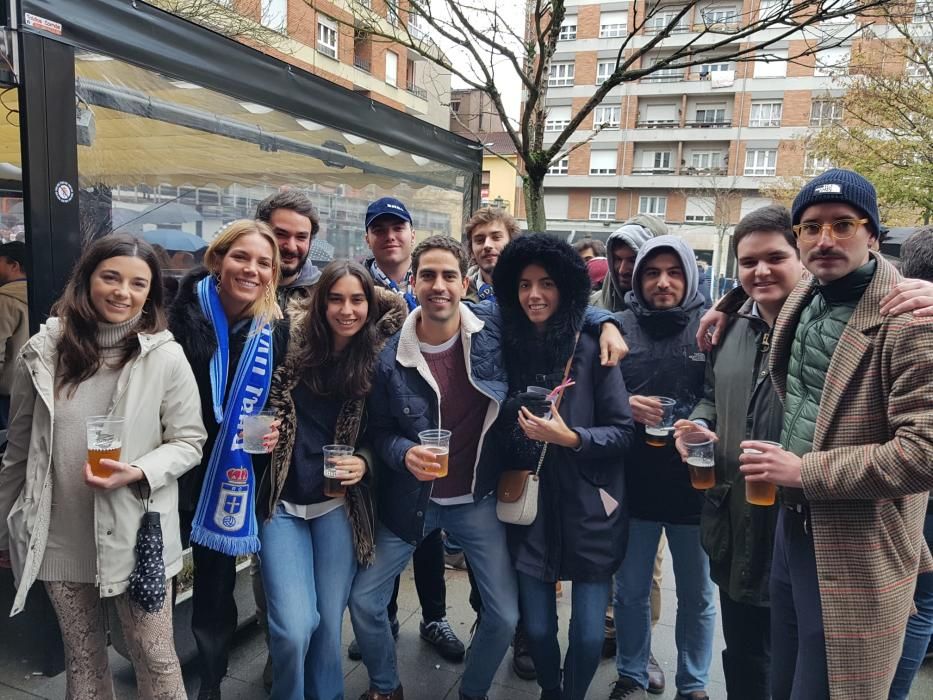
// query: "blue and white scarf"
[[384, 280], [225, 519]]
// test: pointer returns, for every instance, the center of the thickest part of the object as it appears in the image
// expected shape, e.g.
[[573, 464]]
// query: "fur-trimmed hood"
[[564, 266]]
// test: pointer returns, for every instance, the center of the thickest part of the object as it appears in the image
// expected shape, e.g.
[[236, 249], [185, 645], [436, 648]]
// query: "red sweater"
[[463, 410]]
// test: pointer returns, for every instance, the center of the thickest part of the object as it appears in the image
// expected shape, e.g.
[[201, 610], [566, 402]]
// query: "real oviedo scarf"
[[225, 519]]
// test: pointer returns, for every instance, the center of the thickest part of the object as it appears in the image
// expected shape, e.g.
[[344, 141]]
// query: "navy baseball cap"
[[386, 205]]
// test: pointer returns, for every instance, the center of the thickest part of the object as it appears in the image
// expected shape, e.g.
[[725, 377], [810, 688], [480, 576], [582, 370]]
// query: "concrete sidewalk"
[[424, 674]]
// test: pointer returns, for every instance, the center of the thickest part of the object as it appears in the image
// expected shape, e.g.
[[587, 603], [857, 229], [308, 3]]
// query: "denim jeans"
[[482, 537], [307, 569], [696, 607], [919, 627], [538, 601]]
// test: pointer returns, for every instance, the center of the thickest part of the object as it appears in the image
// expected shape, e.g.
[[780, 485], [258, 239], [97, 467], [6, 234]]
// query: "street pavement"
[[424, 675]]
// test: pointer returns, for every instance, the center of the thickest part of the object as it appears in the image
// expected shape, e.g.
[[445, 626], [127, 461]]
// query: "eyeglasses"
[[840, 230]]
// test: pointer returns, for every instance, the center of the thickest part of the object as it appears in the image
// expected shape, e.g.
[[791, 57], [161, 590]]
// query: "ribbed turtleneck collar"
[[851, 287], [110, 335]]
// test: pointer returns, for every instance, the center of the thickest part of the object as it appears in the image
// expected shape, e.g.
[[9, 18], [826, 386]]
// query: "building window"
[[607, 117], [814, 164], [700, 210], [560, 74], [710, 114], [558, 118], [559, 167], [416, 26], [652, 205], [568, 29], [708, 71], [770, 8], [716, 17], [604, 69], [327, 36], [273, 14], [831, 62], [706, 160], [771, 64], [825, 112], [663, 17], [915, 70], [392, 68], [761, 161], [613, 24], [392, 13], [661, 160], [484, 185], [602, 208], [603, 162], [765, 114]]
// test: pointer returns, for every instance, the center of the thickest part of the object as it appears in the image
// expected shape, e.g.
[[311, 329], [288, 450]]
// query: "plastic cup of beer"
[[438, 443], [543, 393], [700, 461], [656, 435], [760, 493], [333, 475], [255, 425], [104, 441]]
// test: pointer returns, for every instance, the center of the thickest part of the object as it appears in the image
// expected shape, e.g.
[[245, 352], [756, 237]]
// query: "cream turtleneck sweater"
[[71, 552]]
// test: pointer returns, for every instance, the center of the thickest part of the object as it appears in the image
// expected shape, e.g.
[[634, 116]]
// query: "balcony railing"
[[663, 77], [658, 27], [362, 63], [417, 91], [656, 124], [652, 171], [692, 171], [709, 125]]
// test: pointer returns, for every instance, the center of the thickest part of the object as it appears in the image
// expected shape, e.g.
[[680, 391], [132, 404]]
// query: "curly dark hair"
[[568, 271], [296, 200], [347, 375]]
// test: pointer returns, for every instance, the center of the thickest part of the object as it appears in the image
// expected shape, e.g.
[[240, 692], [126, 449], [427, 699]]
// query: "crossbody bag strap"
[[559, 397]]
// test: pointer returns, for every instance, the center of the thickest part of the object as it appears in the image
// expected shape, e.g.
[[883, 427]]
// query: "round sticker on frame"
[[64, 191]]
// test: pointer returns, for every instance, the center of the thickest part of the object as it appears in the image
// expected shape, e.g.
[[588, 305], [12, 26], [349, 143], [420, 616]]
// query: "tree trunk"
[[533, 188]]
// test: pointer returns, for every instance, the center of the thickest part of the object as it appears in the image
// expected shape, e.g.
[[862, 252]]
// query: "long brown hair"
[[79, 354], [347, 374]]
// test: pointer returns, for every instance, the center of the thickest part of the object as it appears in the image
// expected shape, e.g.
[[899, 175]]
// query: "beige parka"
[[157, 394]]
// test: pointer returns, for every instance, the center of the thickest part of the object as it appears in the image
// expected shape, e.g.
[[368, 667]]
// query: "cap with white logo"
[[839, 185], [384, 206]]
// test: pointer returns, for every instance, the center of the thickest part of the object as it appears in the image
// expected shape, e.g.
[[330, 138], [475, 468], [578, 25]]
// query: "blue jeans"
[[482, 537], [696, 607], [307, 569], [919, 627], [538, 601]]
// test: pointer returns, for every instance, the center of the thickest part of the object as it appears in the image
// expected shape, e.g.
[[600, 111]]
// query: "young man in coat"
[[854, 469], [443, 370], [739, 403], [295, 222], [660, 326]]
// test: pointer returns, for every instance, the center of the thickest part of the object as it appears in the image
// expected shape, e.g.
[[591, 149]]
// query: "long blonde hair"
[[266, 307]]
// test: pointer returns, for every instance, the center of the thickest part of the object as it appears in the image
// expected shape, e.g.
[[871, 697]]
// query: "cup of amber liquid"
[[656, 435], [104, 441], [760, 493], [700, 461], [438, 444]]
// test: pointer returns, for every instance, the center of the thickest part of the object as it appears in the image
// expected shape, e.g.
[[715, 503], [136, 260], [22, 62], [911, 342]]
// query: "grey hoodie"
[[611, 297], [687, 260], [300, 288]]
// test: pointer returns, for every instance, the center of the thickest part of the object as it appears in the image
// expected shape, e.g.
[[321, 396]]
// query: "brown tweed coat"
[[866, 480]]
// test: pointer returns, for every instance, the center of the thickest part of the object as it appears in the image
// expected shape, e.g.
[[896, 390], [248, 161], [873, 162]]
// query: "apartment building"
[[324, 39], [692, 146]]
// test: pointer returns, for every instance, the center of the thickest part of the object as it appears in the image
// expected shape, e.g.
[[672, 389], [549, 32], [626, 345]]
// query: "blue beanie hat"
[[839, 185]]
